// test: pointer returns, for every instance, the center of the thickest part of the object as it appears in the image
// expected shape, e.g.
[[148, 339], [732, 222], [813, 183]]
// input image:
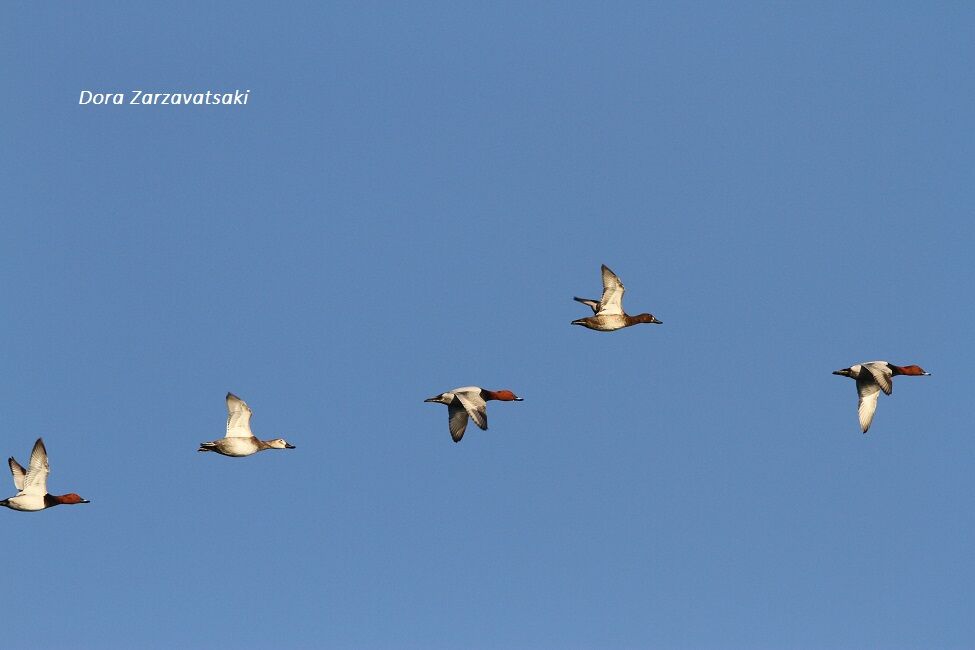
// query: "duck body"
[[32, 484], [235, 446], [613, 322], [239, 440], [469, 402], [872, 377], [608, 314], [33, 502]]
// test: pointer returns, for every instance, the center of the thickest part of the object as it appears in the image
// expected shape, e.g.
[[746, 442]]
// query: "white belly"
[[26, 502], [238, 446]]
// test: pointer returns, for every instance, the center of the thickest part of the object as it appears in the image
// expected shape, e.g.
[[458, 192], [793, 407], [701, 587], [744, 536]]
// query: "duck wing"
[[35, 481], [869, 391], [18, 472], [457, 418], [475, 406], [882, 374], [238, 418], [611, 302], [592, 304]]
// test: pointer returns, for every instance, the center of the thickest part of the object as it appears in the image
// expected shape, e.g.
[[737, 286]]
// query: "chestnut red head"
[[909, 370], [502, 395], [647, 318], [71, 498]]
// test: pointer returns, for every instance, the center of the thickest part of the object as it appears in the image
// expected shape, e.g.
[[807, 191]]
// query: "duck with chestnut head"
[[873, 377], [608, 314], [31, 484], [469, 402]]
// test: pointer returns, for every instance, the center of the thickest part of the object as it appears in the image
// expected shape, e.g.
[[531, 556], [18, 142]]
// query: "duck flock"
[[463, 404]]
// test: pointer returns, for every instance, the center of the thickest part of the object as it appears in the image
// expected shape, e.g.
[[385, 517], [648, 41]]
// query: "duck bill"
[[519, 399], [432, 399], [657, 322], [288, 445], [845, 372]]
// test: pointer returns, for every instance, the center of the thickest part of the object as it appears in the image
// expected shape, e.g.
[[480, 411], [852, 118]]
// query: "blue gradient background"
[[408, 204]]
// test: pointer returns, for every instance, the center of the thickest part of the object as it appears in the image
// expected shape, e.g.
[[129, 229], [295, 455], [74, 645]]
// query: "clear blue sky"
[[407, 204]]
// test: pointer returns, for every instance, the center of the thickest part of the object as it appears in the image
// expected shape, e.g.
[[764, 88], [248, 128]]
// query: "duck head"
[[502, 395], [909, 370], [647, 318], [70, 499], [279, 443]]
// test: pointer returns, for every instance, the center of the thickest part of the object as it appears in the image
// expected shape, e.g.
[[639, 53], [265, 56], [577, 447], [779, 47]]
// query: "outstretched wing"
[[35, 481], [869, 391], [882, 374], [238, 417], [18, 473], [592, 304], [475, 406], [457, 415], [611, 302]]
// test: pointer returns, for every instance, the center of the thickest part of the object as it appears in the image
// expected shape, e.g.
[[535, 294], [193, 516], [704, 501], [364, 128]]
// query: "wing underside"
[[611, 302], [238, 418], [868, 391]]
